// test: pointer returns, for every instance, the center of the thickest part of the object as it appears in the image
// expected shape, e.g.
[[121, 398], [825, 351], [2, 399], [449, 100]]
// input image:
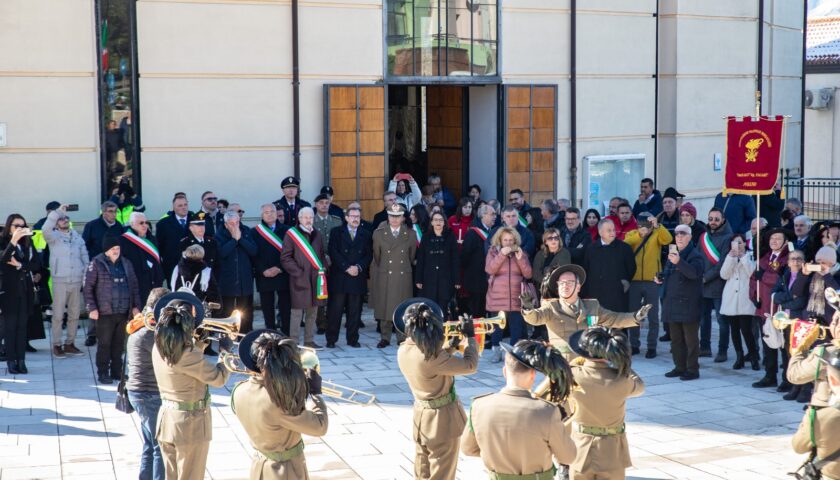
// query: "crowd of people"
[[550, 269]]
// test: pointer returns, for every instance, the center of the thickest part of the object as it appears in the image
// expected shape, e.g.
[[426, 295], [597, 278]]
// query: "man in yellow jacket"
[[647, 242]]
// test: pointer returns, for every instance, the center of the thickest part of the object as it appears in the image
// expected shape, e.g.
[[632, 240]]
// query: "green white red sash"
[[709, 248], [304, 246], [419, 232], [270, 237], [480, 232], [145, 245], [522, 220]]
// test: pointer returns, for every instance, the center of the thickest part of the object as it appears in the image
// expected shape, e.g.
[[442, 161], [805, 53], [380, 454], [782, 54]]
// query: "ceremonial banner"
[[753, 153]]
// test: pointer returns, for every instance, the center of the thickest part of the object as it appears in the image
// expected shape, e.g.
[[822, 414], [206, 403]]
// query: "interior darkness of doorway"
[[406, 132]]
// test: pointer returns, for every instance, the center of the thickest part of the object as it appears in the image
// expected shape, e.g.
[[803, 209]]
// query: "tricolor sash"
[[419, 233], [522, 220], [480, 232], [270, 237], [145, 245], [305, 247], [709, 248]]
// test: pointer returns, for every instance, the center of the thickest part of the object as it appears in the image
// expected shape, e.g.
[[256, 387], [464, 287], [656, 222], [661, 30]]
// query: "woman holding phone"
[[736, 303], [18, 264], [406, 188]]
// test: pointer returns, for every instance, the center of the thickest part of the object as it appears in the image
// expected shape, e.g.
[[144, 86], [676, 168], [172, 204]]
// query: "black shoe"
[[674, 373], [765, 382], [2, 354], [690, 376], [706, 352], [651, 353], [804, 395], [755, 364], [739, 361], [312, 345], [383, 344], [90, 341], [30, 348], [330, 344], [105, 379], [361, 324], [721, 357], [665, 338], [12, 367], [21, 366], [321, 331], [355, 345], [636, 351], [209, 351], [785, 386], [792, 394]]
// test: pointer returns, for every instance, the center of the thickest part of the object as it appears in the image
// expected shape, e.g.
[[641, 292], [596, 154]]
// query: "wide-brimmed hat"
[[399, 312], [245, 348], [554, 276], [179, 297], [767, 233], [574, 344], [513, 351], [672, 192]]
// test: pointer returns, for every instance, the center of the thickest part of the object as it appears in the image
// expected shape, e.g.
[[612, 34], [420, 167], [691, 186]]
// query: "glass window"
[[120, 145], [442, 38]]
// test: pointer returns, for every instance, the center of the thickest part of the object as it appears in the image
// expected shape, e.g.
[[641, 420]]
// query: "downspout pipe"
[[135, 96], [759, 81], [802, 99], [295, 91], [573, 102], [656, 101]]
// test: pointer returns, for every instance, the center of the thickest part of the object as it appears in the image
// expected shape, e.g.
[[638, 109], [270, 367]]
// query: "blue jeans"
[[515, 323], [147, 404]]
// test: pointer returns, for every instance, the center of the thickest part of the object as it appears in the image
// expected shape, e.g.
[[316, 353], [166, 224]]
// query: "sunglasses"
[[241, 212], [211, 199], [18, 225], [553, 237], [713, 219]]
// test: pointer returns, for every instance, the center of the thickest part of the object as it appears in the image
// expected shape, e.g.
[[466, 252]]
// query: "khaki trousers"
[[308, 316], [184, 462], [66, 295], [611, 475], [436, 460]]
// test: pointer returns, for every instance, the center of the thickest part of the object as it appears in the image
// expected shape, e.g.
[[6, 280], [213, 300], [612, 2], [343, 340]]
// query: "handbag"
[[773, 337], [122, 403]]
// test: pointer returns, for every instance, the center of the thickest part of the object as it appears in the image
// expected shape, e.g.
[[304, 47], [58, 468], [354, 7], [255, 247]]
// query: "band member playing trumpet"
[[818, 431], [606, 382], [806, 368], [184, 423], [430, 370], [568, 313], [271, 405], [515, 434]]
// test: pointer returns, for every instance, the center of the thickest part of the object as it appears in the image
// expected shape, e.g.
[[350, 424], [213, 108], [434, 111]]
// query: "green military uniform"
[[274, 434], [598, 420], [517, 435], [184, 426], [439, 417]]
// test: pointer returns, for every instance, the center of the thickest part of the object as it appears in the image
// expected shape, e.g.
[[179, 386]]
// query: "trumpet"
[[832, 297], [782, 320], [222, 326], [483, 326]]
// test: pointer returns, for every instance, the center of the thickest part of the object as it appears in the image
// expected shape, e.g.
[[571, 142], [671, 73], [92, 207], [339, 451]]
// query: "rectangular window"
[[442, 38]]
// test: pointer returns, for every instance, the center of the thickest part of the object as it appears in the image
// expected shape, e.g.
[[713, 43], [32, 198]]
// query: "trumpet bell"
[[832, 297]]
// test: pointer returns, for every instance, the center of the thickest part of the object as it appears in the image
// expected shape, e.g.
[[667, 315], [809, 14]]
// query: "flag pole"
[[757, 240]]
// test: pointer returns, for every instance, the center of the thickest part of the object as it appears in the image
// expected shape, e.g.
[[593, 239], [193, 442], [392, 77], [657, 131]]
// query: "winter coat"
[[200, 277], [722, 240], [541, 269], [147, 269], [738, 210], [528, 244], [391, 270], [210, 246], [606, 266], [169, 235], [652, 206], [410, 198], [473, 258], [95, 231], [682, 301], [793, 298], [768, 275], [438, 269], [16, 283], [736, 272], [98, 286], [576, 242], [460, 228], [290, 217], [621, 229], [506, 276], [345, 252], [303, 277], [772, 205], [648, 258], [68, 255], [268, 256], [236, 277]]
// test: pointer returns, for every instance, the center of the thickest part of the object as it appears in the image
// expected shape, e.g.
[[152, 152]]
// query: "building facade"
[[561, 98]]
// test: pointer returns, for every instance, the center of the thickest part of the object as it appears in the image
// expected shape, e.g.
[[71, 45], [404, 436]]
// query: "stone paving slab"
[[58, 423]]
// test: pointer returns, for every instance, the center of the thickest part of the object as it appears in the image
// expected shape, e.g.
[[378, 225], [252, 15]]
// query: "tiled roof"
[[823, 42]]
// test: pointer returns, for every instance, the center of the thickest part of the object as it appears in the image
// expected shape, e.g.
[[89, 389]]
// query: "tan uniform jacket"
[[271, 429], [391, 269], [325, 226], [433, 379], [186, 382], [826, 426], [601, 403], [803, 367], [562, 321], [515, 433]]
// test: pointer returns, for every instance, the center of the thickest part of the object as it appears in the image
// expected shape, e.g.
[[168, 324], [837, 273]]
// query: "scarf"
[[816, 299]]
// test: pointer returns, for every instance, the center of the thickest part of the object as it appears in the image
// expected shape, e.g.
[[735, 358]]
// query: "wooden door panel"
[[444, 135], [530, 148]]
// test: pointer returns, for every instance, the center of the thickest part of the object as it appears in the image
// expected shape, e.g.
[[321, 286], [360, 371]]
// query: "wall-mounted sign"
[[2, 134], [718, 162]]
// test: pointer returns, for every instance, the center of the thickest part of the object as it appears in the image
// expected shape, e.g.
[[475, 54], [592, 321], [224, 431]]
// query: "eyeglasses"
[[19, 225], [145, 223], [211, 199], [241, 212], [797, 260], [553, 237]]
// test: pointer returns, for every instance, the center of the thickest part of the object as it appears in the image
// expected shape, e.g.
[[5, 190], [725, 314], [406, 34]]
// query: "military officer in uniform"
[[325, 222], [606, 382], [394, 247], [196, 235], [430, 370], [515, 434], [291, 202], [567, 312], [818, 431], [806, 367], [272, 405], [184, 423]]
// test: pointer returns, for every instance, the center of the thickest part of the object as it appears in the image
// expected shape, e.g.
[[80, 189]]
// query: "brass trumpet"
[[782, 320], [222, 326], [483, 326], [833, 298]]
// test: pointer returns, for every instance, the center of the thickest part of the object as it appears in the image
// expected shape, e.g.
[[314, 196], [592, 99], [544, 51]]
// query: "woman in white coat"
[[736, 303], [407, 190]]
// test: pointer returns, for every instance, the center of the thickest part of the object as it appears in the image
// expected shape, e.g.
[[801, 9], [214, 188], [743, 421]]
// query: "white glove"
[[205, 279]]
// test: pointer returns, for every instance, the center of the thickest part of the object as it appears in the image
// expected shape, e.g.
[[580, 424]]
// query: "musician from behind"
[[272, 405], [805, 367], [516, 434], [184, 375], [430, 370]]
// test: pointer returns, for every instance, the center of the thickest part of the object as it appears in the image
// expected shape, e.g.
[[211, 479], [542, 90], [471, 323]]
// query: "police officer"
[[606, 382], [566, 312], [291, 202], [184, 426], [272, 405], [430, 370], [818, 431], [515, 434]]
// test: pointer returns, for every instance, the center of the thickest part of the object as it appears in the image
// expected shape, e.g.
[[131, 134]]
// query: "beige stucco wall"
[[822, 130]]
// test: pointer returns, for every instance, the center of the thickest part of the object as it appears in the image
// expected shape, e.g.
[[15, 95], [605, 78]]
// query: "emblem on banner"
[[753, 144]]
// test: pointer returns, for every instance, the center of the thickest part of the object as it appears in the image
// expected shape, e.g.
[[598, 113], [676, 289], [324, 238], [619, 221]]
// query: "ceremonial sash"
[[270, 237], [522, 220], [709, 248], [145, 245], [481, 233], [419, 233], [305, 247]]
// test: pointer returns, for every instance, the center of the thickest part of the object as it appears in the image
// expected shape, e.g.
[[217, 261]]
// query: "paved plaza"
[[57, 422]]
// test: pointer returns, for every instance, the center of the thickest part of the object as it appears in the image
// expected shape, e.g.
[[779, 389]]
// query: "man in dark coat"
[[272, 279], [772, 205], [105, 225], [473, 259], [236, 278], [170, 230], [714, 245], [650, 200], [575, 238], [290, 203], [138, 247], [350, 251], [214, 216], [388, 198], [196, 235], [510, 218], [609, 265]]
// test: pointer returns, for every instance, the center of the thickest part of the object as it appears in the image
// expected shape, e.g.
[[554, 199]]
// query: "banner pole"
[[757, 242]]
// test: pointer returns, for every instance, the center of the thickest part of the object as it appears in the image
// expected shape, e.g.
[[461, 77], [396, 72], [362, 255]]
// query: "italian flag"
[[522, 220], [309, 252], [144, 244], [270, 237], [709, 248]]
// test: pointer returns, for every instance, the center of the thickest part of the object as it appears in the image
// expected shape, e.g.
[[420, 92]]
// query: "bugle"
[[483, 327], [803, 333], [215, 328]]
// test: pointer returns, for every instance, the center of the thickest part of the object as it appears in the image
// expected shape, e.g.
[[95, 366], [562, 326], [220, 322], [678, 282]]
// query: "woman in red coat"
[[461, 221]]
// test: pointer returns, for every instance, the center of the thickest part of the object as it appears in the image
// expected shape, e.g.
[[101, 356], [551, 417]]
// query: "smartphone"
[[813, 267], [403, 176], [673, 249], [790, 247], [73, 207]]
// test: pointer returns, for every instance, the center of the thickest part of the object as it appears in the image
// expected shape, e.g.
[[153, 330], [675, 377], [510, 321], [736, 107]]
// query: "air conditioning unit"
[[819, 99]]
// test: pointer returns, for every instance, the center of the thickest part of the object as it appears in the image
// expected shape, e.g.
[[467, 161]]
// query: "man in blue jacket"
[[738, 209], [236, 278]]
